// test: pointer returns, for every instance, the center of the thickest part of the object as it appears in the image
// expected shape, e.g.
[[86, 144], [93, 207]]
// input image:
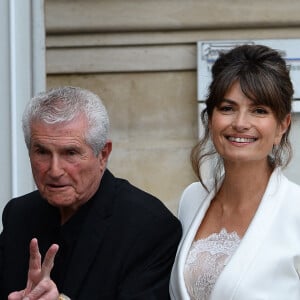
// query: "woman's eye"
[[260, 111], [226, 108]]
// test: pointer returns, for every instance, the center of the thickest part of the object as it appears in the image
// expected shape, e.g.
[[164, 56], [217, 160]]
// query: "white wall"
[[22, 74], [293, 169]]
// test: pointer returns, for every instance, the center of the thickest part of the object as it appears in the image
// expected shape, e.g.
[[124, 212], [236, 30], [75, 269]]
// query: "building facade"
[[140, 57]]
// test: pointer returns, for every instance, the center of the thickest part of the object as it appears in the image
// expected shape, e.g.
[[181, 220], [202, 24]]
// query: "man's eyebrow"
[[70, 147], [37, 144], [61, 149]]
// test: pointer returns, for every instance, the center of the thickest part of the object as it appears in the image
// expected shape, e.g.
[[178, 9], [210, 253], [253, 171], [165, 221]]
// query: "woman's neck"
[[237, 200], [244, 182]]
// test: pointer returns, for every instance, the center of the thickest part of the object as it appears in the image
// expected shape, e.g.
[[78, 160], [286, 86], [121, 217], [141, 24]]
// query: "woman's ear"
[[282, 128]]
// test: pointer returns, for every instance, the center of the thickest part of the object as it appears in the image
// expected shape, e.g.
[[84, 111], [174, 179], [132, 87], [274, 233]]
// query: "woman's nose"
[[241, 121]]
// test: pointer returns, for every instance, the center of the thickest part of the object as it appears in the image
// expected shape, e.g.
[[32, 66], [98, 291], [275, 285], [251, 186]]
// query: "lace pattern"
[[206, 260]]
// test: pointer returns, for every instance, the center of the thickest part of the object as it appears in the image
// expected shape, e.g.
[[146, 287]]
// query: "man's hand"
[[39, 284]]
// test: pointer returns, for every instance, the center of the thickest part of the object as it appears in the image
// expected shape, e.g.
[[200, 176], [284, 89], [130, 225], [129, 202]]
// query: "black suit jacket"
[[125, 249]]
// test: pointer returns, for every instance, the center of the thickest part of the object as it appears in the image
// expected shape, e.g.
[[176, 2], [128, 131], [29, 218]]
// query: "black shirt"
[[65, 236]]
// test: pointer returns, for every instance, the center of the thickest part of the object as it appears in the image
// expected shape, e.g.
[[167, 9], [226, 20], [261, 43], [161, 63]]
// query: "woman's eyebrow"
[[229, 101]]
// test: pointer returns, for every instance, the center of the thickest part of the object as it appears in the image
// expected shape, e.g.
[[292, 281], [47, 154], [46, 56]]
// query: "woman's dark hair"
[[264, 78]]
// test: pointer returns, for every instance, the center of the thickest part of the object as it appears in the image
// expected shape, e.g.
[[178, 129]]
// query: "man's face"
[[64, 167]]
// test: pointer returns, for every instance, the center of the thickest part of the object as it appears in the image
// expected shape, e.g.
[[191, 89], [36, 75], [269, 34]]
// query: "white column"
[[22, 74]]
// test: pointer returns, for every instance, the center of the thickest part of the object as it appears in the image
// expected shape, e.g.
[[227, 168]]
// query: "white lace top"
[[206, 260]]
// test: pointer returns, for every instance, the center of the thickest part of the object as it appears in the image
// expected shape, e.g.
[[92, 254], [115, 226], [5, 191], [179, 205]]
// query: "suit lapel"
[[91, 236], [185, 245], [235, 271]]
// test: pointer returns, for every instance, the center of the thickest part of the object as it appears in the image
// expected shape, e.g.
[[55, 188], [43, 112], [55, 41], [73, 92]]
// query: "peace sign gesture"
[[39, 284]]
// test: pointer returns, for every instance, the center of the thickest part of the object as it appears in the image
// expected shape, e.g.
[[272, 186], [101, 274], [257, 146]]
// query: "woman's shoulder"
[[282, 182], [192, 197], [286, 193]]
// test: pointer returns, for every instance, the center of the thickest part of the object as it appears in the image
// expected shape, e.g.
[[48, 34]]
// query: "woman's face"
[[244, 131]]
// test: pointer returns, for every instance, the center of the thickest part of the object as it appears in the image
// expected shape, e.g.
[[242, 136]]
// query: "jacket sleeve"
[[150, 261]]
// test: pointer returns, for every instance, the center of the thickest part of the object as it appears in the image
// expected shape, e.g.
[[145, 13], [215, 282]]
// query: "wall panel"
[[140, 57]]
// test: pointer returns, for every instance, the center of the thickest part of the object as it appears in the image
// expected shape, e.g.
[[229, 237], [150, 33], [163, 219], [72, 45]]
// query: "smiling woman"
[[236, 222], [242, 130]]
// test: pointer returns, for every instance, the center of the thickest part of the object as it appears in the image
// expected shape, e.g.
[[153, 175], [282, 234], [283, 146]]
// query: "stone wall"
[[140, 57]]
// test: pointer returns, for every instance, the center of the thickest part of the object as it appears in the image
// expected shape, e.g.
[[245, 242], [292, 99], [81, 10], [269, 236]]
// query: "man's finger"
[[46, 289], [35, 256], [48, 262], [16, 295], [34, 265]]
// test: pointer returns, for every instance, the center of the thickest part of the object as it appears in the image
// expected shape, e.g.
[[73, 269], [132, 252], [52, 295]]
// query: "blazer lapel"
[[185, 245], [236, 270], [91, 237]]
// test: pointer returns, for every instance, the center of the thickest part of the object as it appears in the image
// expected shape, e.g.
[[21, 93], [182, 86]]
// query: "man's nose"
[[56, 167]]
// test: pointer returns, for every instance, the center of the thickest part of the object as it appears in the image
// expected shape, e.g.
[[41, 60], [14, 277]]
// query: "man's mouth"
[[56, 186]]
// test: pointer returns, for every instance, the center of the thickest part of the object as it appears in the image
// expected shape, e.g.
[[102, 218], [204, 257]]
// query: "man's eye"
[[71, 153], [40, 151]]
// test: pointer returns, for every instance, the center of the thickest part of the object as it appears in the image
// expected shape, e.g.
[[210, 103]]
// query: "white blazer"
[[266, 265]]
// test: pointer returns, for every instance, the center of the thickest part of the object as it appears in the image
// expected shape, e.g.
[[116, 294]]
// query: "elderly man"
[[111, 240]]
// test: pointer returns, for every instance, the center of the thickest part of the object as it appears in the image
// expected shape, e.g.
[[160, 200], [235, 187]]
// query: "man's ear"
[[105, 152]]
